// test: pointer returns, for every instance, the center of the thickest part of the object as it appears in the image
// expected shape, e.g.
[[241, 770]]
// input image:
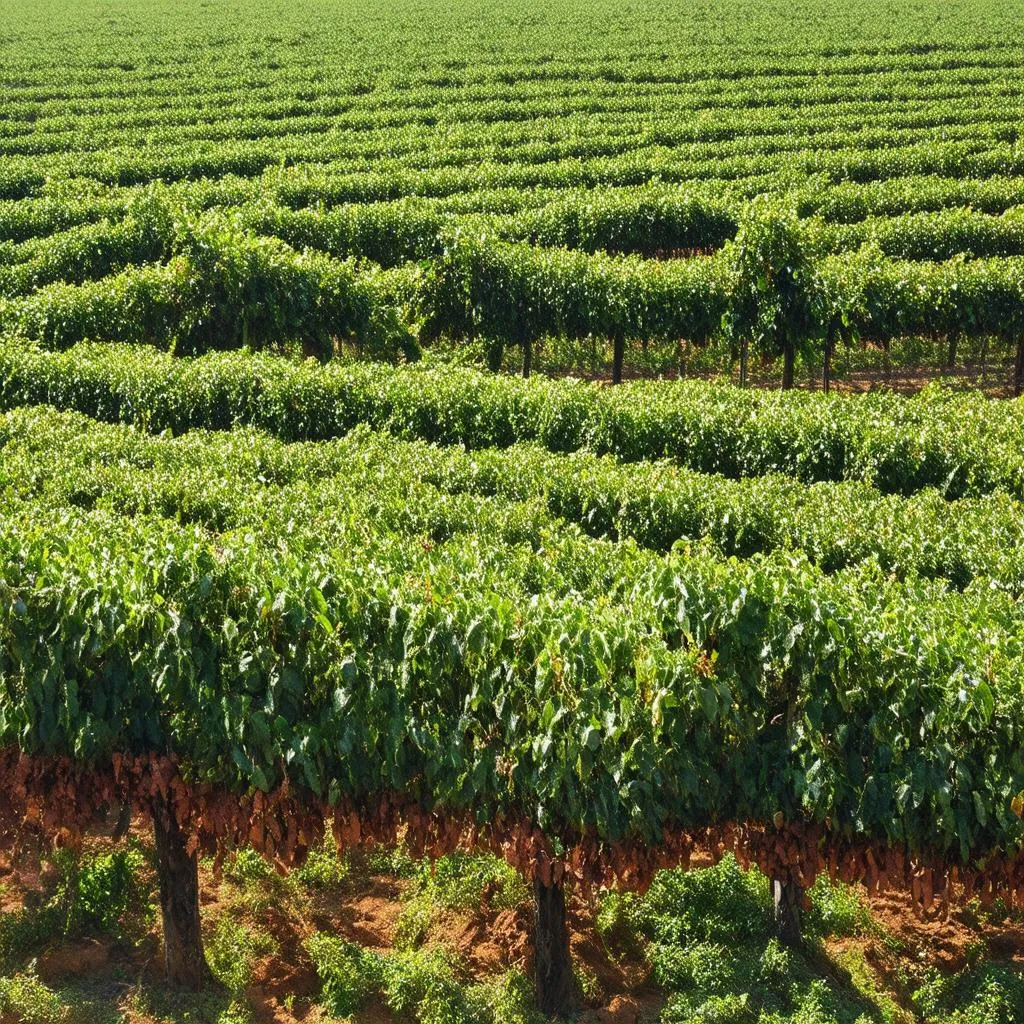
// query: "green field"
[[203, 175], [320, 514]]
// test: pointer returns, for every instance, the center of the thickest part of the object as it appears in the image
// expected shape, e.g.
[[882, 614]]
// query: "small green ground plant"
[[460, 882], [24, 998], [983, 994], [428, 986], [708, 937], [87, 895]]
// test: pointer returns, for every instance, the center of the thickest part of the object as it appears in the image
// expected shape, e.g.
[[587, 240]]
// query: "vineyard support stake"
[[178, 872], [556, 990]]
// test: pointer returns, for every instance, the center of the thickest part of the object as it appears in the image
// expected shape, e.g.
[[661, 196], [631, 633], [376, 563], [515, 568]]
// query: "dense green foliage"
[[959, 444], [609, 612], [64, 459], [478, 652]]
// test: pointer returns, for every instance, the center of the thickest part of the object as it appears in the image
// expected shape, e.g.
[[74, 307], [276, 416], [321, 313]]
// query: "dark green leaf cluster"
[[220, 288]]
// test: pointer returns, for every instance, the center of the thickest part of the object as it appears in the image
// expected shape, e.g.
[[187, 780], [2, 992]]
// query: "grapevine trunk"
[[178, 872], [788, 365], [618, 355], [556, 993], [826, 373], [787, 896]]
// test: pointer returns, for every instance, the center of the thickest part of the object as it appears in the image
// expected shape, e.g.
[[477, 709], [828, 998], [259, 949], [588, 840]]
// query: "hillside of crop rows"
[[444, 573], [588, 187]]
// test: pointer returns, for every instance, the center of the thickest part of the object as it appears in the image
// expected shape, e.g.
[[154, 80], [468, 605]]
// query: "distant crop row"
[[647, 221], [495, 123], [960, 444], [77, 462], [221, 286], [447, 171]]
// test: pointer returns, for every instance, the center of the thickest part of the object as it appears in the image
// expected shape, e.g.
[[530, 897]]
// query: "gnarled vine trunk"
[[1018, 369], [788, 364], [826, 372], [556, 988], [178, 872], [787, 896], [495, 355], [618, 356], [951, 350]]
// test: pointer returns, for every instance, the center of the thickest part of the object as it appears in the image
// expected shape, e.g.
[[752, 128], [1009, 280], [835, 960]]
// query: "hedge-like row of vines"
[[960, 444], [769, 289], [483, 675], [592, 629]]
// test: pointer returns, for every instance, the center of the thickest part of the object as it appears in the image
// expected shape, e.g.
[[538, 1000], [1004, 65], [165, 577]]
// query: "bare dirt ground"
[[994, 380]]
